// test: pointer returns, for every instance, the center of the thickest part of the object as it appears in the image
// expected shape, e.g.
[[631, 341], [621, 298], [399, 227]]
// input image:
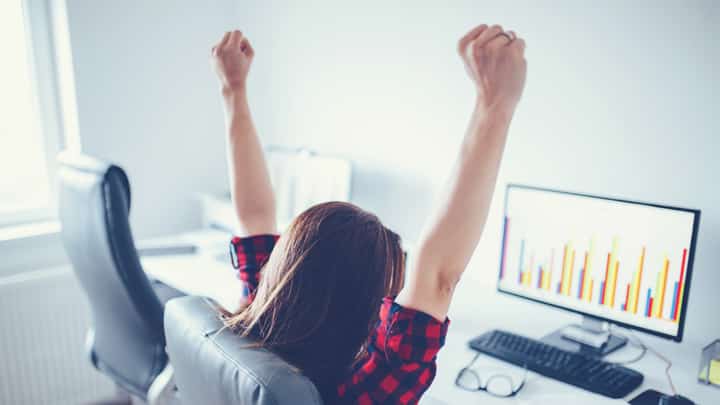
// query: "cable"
[[645, 348], [635, 342], [667, 361]]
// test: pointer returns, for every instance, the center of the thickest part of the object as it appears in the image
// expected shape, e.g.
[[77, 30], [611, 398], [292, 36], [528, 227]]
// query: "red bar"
[[680, 285], [607, 269], [627, 297], [649, 312]]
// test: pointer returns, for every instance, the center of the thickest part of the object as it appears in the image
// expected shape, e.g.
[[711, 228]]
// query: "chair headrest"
[[105, 171], [214, 365]]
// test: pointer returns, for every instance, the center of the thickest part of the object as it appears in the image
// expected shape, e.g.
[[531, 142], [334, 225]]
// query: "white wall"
[[147, 100], [621, 99]]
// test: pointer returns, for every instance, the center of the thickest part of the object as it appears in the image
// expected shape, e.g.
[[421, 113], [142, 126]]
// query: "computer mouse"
[[674, 400]]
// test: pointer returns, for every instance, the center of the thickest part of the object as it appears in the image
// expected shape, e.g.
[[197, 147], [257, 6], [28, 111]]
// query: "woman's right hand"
[[495, 61]]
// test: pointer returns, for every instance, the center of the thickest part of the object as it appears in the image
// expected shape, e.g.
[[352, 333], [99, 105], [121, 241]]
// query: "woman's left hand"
[[232, 57]]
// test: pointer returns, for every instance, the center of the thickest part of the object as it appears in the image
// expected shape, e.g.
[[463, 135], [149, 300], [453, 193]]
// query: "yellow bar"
[[663, 282], [526, 278], [610, 282], [588, 270], [656, 296], [570, 276], [548, 278]]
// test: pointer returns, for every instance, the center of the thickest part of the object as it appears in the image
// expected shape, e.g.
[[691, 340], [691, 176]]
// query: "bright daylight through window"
[[24, 181]]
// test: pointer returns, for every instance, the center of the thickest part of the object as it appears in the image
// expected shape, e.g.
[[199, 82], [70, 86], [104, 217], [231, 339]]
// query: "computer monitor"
[[618, 261]]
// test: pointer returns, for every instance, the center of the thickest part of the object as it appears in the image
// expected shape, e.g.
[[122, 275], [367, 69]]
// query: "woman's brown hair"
[[320, 292]]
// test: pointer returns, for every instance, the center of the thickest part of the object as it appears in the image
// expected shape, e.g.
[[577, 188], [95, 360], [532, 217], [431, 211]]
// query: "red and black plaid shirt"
[[400, 361]]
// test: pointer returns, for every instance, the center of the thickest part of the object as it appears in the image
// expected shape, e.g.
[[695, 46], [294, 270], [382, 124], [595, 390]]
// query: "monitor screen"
[[622, 261]]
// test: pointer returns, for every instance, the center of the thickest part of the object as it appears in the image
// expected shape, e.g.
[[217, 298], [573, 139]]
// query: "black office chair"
[[126, 340]]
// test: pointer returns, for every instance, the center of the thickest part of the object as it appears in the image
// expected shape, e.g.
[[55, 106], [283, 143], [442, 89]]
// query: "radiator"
[[44, 316]]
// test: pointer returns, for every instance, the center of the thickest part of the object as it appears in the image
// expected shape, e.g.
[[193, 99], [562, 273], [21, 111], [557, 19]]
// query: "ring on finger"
[[508, 35]]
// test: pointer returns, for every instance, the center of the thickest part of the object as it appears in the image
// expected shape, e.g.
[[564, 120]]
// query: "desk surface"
[[474, 311]]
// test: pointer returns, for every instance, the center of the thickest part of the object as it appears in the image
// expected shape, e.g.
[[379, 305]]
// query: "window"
[[29, 134]]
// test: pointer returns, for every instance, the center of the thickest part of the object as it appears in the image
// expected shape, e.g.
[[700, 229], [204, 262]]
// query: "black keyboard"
[[580, 370]]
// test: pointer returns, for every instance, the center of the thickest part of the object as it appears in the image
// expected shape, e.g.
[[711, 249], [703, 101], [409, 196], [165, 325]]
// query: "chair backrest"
[[213, 365], [126, 340]]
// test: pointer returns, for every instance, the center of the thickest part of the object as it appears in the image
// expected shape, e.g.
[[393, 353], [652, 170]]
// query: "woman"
[[316, 301]]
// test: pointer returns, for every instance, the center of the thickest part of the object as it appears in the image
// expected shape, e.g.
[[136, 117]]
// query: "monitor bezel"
[[688, 277]]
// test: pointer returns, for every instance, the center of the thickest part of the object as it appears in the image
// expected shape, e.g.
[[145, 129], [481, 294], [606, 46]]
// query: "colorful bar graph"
[[535, 272]]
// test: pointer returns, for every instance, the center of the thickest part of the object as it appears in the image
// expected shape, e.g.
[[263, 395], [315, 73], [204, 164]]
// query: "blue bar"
[[602, 292], [675, 300], [647, 304], [539, 283], [522, 255], [580, 283]]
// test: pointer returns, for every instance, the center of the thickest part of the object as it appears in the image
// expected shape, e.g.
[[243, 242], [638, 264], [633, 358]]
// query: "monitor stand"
[[592, 337]]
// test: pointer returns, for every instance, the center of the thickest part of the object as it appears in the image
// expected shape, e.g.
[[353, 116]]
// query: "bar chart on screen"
[[606, 258]]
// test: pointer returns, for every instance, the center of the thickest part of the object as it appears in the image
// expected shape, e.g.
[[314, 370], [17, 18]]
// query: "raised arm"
[[496, 64], [249, 179]]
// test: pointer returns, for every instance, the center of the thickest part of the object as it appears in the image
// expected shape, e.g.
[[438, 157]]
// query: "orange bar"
[[615, 273], [562, 276], [572, 267], [586, 277], [606, 281], [639, 280]]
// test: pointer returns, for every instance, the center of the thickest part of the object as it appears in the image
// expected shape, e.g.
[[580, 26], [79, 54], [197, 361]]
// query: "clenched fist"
[[232, 57], [495, 61]]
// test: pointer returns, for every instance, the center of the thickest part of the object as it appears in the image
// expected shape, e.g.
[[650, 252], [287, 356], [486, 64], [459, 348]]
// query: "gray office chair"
[[215, 366], [126, 340]]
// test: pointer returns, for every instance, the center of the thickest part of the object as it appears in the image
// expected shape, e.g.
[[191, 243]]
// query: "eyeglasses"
[[499, 385]]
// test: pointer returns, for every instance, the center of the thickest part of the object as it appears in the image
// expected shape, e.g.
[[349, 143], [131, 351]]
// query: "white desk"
[[474, 311]]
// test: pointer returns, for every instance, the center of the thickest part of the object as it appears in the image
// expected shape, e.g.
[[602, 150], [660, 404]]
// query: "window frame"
[[50, 63]]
